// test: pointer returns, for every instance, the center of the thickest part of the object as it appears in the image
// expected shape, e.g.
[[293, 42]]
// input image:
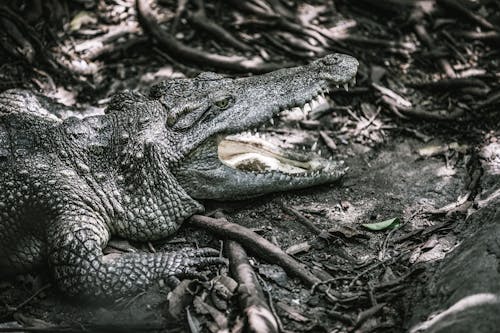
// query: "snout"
[[336, 68]]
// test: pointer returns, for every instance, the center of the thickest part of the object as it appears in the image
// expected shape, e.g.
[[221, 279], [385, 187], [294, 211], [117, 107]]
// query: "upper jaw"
[[299, 92], [315, 101]]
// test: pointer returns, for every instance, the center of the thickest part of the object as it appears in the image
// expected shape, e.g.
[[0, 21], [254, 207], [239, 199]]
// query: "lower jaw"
[[224, 183]]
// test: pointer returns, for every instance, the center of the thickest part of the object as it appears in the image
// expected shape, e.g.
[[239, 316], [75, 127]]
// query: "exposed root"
[[258, 244], [202, 22], [259, 316], [182, 51]]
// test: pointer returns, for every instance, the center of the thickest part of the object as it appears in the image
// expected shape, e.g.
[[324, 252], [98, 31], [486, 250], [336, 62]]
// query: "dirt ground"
[[419, 133]]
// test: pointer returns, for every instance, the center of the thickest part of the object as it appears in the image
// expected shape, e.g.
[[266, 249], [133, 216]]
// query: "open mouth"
[[273, 148]]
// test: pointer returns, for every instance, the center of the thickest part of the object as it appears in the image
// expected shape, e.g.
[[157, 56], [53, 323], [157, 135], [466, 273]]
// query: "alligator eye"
[[223, 103], [170, 120]]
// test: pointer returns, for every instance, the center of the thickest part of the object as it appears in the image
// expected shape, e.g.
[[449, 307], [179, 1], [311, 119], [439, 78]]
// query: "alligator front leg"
[[75, 256]]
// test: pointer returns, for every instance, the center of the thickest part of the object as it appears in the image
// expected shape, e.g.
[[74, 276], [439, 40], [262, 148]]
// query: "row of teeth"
[[317, 102], [350, 83], [308, 107], [301, 175], [253, 134]]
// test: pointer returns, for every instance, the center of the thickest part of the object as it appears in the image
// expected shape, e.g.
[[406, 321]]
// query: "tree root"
[[259, 245], [180, 50], [259, 316], [29, 48], [406, 112], [202, 22], [458, 7]]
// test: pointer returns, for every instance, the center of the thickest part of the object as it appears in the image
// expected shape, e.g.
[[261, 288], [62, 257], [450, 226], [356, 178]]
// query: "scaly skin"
[[67, 185]]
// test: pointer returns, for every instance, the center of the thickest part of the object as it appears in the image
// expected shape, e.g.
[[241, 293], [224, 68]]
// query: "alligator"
[[141, 168]]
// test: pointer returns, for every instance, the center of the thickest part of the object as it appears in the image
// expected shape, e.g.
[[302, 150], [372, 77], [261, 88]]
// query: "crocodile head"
[[216, 147]]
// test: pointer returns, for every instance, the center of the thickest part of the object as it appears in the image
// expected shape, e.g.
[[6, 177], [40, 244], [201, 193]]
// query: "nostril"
[[333, 59]]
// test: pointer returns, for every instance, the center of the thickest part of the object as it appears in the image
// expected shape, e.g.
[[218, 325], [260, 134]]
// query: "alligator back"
[[21, 134]]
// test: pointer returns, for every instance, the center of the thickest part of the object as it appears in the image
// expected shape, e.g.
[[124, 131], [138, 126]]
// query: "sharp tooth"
[[346, 86], [306, 109], [271, 121], [337, 86], [321, 100], [314, 104], [315, 144], [319, 152], [303, 147]]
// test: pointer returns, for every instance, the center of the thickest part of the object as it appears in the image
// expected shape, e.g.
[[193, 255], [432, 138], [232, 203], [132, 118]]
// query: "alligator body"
[[138, 171]]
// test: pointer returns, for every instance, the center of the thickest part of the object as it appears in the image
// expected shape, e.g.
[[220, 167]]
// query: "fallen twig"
[[114, 33], [302, 219], [406, 112], [487, 36], [107, 49], [422, 34], [328, 141], [367, 314], [450, 84]]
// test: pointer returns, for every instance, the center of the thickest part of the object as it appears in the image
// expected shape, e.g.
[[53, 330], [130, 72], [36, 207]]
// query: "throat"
[[252, 153]]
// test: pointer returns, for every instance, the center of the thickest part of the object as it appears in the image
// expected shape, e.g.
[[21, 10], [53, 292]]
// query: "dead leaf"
[[179, 298], [298, 248], [81, 19], [434, 150], [193, 322], [202, 307]]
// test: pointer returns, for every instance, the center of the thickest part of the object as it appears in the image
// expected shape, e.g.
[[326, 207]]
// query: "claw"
[[187, 262], [208, 261], [205, 252]]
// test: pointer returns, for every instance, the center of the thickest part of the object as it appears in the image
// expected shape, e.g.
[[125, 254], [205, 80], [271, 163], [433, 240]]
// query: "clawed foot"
[[187, 262]]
